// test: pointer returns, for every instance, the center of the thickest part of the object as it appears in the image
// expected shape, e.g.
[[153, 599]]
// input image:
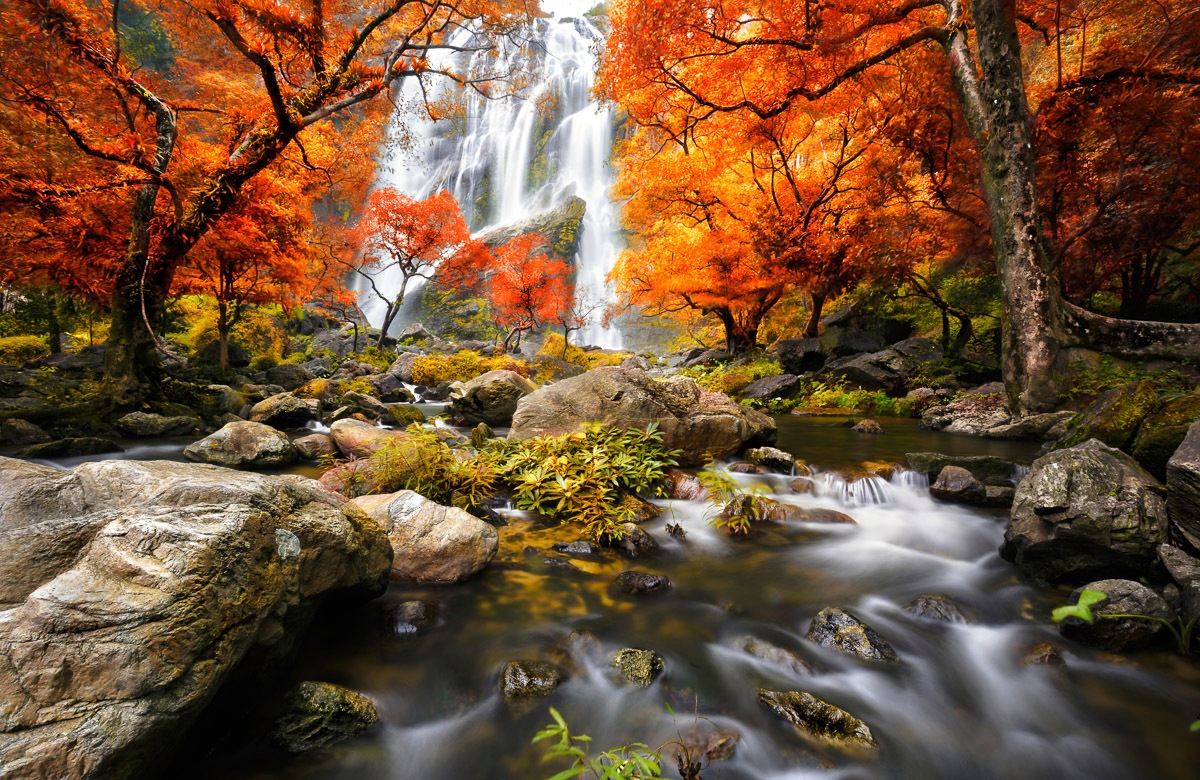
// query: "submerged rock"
[[140, 425], [935, 606], [641, 667], [1119, 634], [818, 720], [773, 654], [71, 448], [244, 445], [529, 679], [867, 425], [839, 630], [1084, 512], [320, 714], [640, 583], [409, 618]]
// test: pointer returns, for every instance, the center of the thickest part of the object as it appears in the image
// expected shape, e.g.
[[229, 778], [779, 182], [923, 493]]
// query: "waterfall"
[[509, 160]]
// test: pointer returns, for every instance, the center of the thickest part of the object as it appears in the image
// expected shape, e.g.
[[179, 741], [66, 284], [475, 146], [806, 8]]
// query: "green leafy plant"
[[630, 762], [737, 509], [582, 477], [1181, 632]]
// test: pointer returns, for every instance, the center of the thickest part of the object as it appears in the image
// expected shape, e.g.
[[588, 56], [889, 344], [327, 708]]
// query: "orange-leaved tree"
[[402, 239], [139, 125], [529, 286]]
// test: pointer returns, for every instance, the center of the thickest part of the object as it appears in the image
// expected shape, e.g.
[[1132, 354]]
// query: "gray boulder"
[[800, 356], [839, 630], [364, 405], [149, 582], [315, 446], [699, 423], [401, 367], [320, 714], [779, 386], [432, 543], [283, 410], [887, 369], [244, 445], [1184, 570], [1085, 511], [492, 398], [140, 425], [988, 469], [973, 414], [772, 458], [959, 486], [1115, 635], [22, 432], [1036, 427], [1183, 486], [289, 376]]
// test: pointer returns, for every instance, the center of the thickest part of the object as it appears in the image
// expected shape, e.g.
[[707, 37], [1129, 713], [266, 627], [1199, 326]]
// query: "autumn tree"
[[529, 286], [402, 240], [160, 139], [702, 61]]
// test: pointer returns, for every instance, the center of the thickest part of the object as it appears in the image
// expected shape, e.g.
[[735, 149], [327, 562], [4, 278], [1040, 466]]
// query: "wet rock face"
[[244, 445], [492, 398], [839, 630], [699, 423], [773, 654], [771, 457], [641, 667], [320, 714], [151, 581], [1183, 485], [934, 606], [818, 720], [1119, 634], [1084, 512], [959, 486], [640, 583], [141, 425], [684, 486], [282, 410], [529, 679]]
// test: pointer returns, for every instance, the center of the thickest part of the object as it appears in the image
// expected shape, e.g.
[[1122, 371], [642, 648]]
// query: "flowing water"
[[959, 705], [512, 159]]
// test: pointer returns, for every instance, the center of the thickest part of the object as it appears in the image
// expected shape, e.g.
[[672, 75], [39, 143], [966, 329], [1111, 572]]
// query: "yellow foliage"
[[462, 367], [19, 349], [553, 345]]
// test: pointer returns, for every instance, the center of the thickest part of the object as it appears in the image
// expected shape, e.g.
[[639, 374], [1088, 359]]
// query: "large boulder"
[[1183, 486], [778, 386], [22, 432], [800, 356], [432, 543], [491, 398], [974, 413], [699, 423], [959, 486], [1084, 512], [888, 369], [137, 588], [289, 376], [142, 425], [355, 438], [1113, 418], [1163, 430], [244, 445], [988, 469], [1117, 634], [283, 410]]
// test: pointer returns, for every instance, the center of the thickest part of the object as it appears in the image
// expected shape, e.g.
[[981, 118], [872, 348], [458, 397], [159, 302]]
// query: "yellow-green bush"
[[462, 367], [730, 379], [256, 331], [20, 349], [553, 345]]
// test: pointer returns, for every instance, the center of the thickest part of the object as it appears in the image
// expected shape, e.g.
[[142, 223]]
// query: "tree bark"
[[814, 319]]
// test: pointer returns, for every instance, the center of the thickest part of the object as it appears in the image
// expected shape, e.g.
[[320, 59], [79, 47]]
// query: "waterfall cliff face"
[[511, 159]]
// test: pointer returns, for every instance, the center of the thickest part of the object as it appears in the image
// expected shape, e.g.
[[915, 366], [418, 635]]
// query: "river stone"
[[1113, 418], [641, 667], [243, 445], [1161, 433], [1035, 426], [529, 679], [315, 446], [1043, 654], [743, 467], [778, 386], [772, 458], [404, 415], [71, 448], [959, 486], [177, 577], [683, 486], [988, 469], [839, 630], [579, 547], [935, 606], [1184, 570], [355, 438], [818, 720], [818, 515], [867, 425], [141, 425], [773, 654], [492, 398], [22, 432], [1119, 634], [635, 543], [640, 583], [322, 391], [432, 543], [282, 410], [289, 376], [1085, 511], [1183, 486], [369, 407], [390, 388], [971, 414], [402, 366], [320, 714], [700, 423], [409, 618]]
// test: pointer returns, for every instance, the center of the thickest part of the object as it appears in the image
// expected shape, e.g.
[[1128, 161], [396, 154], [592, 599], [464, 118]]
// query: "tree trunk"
[[223, 334], [814, 319], [52, 326]]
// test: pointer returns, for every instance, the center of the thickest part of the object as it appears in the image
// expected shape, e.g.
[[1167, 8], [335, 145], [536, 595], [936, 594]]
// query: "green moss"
[[1114, 418], [1162, 432]]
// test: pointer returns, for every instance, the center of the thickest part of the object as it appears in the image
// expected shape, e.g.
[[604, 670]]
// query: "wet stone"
[[742, 467], [636, 543], [529, 679], [558, 563], [409, 618], [640, 583], [839, 630], [867, 426], [772, 458], [321, 714], [773, 654], [818, 720], [640, 667], [1044, 654], [576, 648], [1116, 635], [578, 547], [935, 606]]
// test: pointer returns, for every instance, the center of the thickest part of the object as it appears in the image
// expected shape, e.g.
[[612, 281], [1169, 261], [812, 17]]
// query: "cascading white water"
[[513, 159]]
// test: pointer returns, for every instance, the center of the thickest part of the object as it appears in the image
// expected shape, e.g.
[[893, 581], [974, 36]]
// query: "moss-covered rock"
[[641, 667], [1161, 433], [320, 714], [839, 630], [1114, 418], [529, 679], [818, 720], [404, 415]]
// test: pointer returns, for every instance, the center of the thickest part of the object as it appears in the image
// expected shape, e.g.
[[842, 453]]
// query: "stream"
[[960, 704]]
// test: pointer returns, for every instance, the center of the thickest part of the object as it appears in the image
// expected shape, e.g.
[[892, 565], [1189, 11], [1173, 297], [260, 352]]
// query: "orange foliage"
[[529, 286]]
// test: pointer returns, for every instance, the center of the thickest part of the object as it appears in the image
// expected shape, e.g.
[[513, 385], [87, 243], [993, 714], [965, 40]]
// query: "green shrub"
[[1086, 381], [263, 362], [729, 379], [22, 349], [374, 356], [837, 394]]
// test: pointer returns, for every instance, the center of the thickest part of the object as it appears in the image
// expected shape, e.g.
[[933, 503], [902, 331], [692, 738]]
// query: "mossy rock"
[[819, 720], [638, 666], [1114, 418], [404, 415], [1162, 432], [321, 714]]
